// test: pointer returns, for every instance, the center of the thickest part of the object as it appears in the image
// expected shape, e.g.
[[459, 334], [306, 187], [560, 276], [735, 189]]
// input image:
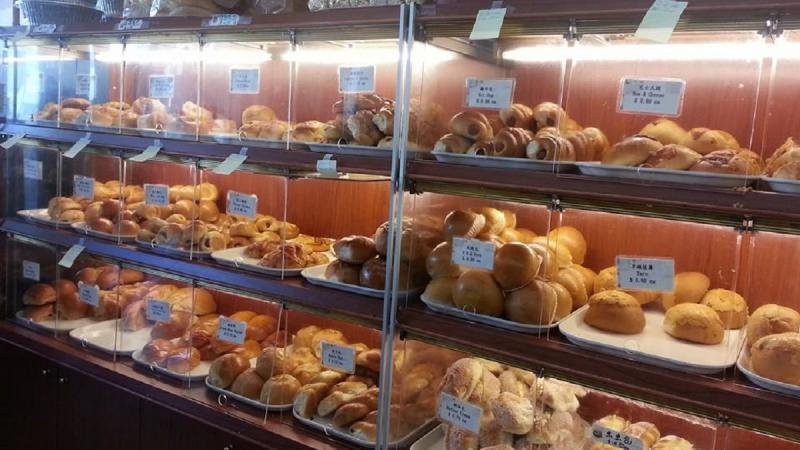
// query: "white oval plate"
[[106, 337], [743, 363], [650, 175], [488, 320]]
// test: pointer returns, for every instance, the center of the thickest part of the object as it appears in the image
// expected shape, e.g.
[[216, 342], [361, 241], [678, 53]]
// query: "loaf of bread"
[[695, 323], [615, 311]]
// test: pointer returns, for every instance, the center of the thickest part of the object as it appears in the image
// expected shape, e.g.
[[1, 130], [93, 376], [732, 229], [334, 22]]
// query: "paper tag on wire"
[[156, 194], [232, 331], [473, 253], [488, 24], [660, 20], [339, 357], [88, 293], [158, 311], [357, 79], [656, 96], [241, 204], [327, 165], [646, 274], [460, 413], [231, 163], [12, 141], [149, 153], [132, 24], [491, 94], [78, 146], [83, 187], [615, 438], [32, 169]]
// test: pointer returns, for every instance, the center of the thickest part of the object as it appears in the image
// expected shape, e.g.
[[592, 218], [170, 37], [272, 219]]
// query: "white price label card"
[[162, 86], [327, 165], [490, 94], [30, 270], [83, 85], [231, 163], [244, 80], [339, 357], [83, 187], [158, 311], [473, 253], [241, 204], [44, 28], [32, 169], [488, 23], [69, 257], [223, 20], [615, 438], [356, 79], [132, 24], [656, 96], [646, 274], [88, 293], [78, 146], [156, 194], [232, 331], [12, 141], [149, 153], [460, 413], [660, 20]]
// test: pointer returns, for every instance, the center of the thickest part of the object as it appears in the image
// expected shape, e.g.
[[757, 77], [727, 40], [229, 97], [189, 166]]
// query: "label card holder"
[[338, 357], [149, 153], [30, 270], [69, 257], [646, 274], [473, 253], [490, 94], [655, 96], [162, 86], [488, 24], [660, 20], [327, 166], [158, 311], [356, 79], [156, 194], [231, 163], [460, 413], [88, 293], [232, 331], [241, 204], [132, 24], [78, 146], [12, 141], [244, 80], [616, 438], [32, 169], [83, 187]]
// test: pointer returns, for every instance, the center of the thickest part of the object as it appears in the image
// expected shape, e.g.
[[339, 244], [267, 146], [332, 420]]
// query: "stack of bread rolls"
[[773, 340], [535, 280], [520, 410], [544, 132], [646, 432], [784, 163], [77, 209], [663, 144], [693, 311]]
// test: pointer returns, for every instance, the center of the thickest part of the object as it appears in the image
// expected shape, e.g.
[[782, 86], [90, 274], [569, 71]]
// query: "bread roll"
[[631, 151], [476, 291], [199, 301], [308, 397], [248, 384], [343, 272], [176, 327], [70, 307], [777, 357], [563, 300], [572, 280], [462, 378], [730, 306], [304, 336], [280, 390], [355, 249], [472, 125], [705, 141], [452, 143], [257, 113], [674, 157], [39, 313], [272, 361], [495, 220], [728, 161], [515, 265], [466, 224], [615, 311], [771, 319], [513, 413], [645, 431], [536, 304], [695, 323], [665, 131], [607, 280], [439, 263], [440, 291], [572, 239], [226, 368], [39, 294], [672, 443], [690, 287], [518, 115]]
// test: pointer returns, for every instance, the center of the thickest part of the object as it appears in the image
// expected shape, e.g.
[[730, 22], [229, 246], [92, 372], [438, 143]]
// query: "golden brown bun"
[[615, 311], [476, 291], [607, 280], [730, 306], [439, 263], [777, 357], [126, 228], [373, 273], [613, 422], [440, 290], [39, 294], [563, 300], [39, 313], [473, 125], [328, 335], [261, 326], [257, 113], [515, 265], [495, 220], [304, 336], [665, 131], [672, 443], [705, 141], [280, 390], [561, 256], [690, 287], [248, 384], [572, 239], [342, 272], [466, 224], [226, 368], [645, 431], [631, 151], [272, 361], [695, 323], [355, 249], [102, 225], [536, 304], [70, 307], [673, 156], [112, 276], [199, 301], [182, 361], [308, 398], [243, 229], [771, 319], [572, 279]]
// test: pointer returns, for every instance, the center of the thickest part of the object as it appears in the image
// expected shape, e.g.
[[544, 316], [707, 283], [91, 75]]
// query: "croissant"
[[518, 115], [550, 147], [472, 125], [452, 143], [363, 130], [511, 142]]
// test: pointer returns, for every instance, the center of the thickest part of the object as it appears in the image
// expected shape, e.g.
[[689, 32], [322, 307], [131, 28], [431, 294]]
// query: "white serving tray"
[[316, 275], [247, 401], [56, 326], [171, 251], [106, 337], [488, 320], [500, 162], [653, 345], [234, 257], [40, 216], [83, 228], [433, 440], [324, 424], [196, 374], [743, 364], [783, 185], [650, 175]]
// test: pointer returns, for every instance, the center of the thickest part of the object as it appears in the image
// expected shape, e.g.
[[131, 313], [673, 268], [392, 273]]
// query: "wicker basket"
[[39, 12], [111, 8]]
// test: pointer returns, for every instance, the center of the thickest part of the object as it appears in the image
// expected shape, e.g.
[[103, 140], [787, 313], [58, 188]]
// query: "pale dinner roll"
[[515, 265], [466, 224], [771, 319], [564, 300], [695, 323], [549, 267], [690, 287], [615, 311], [440, 291], [439, 262], [511, 218], [730, 306], [527, 236], [535, 304], [563, 257], [573, 281], [665, 131], [573, 240], [606, 280], [495, 220], [777, 357], [476, 291]]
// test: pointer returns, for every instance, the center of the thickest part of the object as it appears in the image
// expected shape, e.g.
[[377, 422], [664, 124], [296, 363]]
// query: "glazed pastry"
[[665, 131], [452, 143], [695, 323], [512, 142], [672, 156], [631, 151], [738, 162], [518, 115], [645, 431], [705, 141], [615, 311], [472, 125]]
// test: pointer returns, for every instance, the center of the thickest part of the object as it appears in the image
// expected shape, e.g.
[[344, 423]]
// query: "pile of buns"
[[302, 251], [361, 260], [663, 144], [693, 311], [773, 340], [519, 409], [544, 132], [784, 163], [73, 209], [646, 432], [535, 280]]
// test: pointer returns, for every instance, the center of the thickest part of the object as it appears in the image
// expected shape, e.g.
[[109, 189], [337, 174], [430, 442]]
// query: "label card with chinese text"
[[162, 86], [646, 274], [156, 194], [460, 413], [656, 96], [660, 20], [83, 187], [69, 257], [241, 204], [232, 331], [84, 85], [158, 311], [88, 293], [30, 270], [615, 438], [244, 80], [32, 169], [339, 357], [473, 253], [356, 79], [488, 23], [490, 94]]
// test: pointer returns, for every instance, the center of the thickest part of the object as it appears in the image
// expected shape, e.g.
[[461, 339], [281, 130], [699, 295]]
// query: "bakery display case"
[[33, 82], [32, 286]]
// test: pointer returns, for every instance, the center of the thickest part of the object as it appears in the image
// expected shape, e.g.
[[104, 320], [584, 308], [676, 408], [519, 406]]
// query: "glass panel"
[[35, 83], [94, 177], [32, 188], [741, 439], [91, 82], [255, 109], [32, 290]]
